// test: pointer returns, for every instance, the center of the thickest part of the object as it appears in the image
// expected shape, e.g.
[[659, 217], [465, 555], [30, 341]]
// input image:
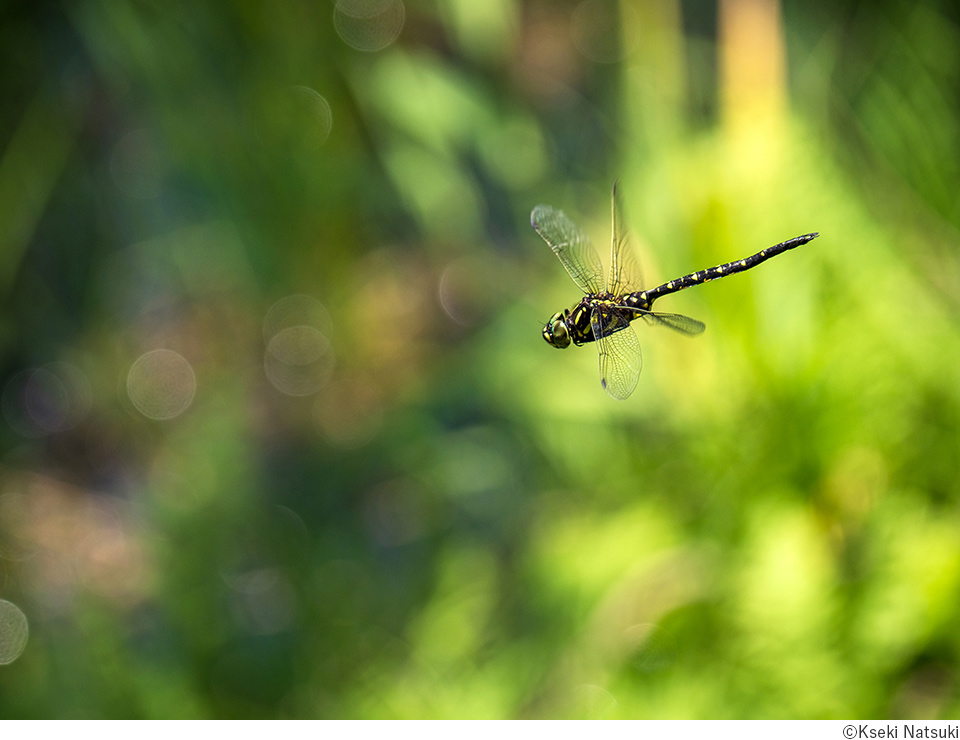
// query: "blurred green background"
[[281, 437]]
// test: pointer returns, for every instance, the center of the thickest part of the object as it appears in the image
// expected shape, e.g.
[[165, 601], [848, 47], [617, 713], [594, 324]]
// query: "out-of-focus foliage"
[[280, 437]]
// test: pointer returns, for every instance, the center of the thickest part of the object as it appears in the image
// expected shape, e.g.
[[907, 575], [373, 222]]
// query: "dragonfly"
[[605, 312]]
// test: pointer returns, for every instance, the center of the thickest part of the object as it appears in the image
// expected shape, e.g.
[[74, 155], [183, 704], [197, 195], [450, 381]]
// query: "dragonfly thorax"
[[576, 324]]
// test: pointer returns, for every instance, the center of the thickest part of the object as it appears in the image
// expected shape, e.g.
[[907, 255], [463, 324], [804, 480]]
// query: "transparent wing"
[[676, 321], [571, 245], [620, 357], [624, 267]]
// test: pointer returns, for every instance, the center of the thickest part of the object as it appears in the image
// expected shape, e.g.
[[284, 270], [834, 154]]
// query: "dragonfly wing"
[[571, 245], [676, 321], [620, 357], [624, 268]]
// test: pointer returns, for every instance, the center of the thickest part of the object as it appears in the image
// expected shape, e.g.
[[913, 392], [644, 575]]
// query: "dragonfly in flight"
[[604, 313]]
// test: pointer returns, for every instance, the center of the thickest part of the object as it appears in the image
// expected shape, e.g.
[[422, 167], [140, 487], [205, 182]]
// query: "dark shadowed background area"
[[280, 436]]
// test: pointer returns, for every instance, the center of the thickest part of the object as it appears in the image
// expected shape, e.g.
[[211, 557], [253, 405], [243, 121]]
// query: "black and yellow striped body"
[[614, 313], [578, 322], [608, 307], [644, 299]]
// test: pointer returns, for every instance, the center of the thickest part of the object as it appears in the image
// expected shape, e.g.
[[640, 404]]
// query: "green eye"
[[555, 332]]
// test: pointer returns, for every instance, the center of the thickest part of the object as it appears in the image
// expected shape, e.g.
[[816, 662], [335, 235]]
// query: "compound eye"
[[555, 332]]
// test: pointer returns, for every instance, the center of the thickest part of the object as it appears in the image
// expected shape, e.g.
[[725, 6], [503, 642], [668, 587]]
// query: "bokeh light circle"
[[58, 396], [298, 345], [14, 406], [45, 399], [469, 288], [297, 379], [161, 384], [368, 25], [296, 310], [14, 630], [299, 357], [48, 399], [316, 110], [263, 600]]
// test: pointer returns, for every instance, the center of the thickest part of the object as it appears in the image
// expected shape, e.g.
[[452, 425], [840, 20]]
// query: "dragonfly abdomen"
[[641, 299], [714, 273]]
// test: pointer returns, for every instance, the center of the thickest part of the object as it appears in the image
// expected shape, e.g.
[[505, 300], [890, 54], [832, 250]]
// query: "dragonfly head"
[[555, 331]]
